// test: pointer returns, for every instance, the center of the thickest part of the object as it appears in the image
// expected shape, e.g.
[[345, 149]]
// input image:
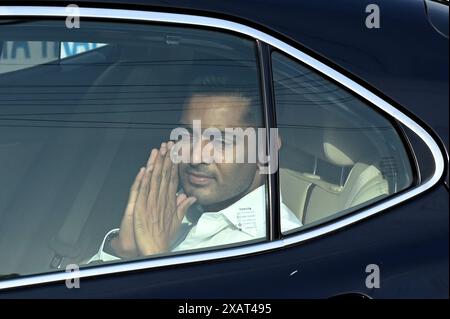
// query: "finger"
[[173, 183], [184, 206], [166, 200], [166, 174], [152, 158], [151, 164], [139, 216], [180, 198], [134, 192], [143, 190], [156, 176], [126, 233]]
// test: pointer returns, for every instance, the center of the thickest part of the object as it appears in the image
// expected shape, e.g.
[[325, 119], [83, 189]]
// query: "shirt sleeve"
[[101, 255]]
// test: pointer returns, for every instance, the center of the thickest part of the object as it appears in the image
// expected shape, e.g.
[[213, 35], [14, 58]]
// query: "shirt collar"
[[248, 214]]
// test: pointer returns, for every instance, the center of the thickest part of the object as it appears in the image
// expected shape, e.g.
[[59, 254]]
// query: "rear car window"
[[338, 154]]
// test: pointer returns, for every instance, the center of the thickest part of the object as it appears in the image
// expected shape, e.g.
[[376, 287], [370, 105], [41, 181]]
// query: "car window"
[[107, 158], [338, 154]]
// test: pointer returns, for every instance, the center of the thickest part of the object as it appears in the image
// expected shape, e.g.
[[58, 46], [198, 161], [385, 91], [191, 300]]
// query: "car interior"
[[72, 142], [338, 154]]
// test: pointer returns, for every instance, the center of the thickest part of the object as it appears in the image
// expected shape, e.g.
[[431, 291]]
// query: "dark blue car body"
[[406, 62]]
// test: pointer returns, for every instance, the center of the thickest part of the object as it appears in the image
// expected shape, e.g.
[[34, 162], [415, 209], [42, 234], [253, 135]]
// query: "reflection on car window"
[[18, 55], [337, 153], [73, 48], [146, 148]]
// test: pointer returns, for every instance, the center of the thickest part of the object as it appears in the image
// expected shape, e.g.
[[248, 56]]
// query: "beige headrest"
[[345, 148], [336, 156]]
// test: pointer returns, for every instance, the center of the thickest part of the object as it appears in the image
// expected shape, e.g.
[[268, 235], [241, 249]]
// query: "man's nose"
[[197, 148]]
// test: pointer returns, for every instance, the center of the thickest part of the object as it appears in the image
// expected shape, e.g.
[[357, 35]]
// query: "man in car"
[[174, 207]]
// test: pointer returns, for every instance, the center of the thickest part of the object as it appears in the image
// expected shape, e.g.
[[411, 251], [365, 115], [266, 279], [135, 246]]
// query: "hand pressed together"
[[154, 211]]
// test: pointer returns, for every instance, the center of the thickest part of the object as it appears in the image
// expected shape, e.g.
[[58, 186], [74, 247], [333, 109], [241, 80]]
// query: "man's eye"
[[228, 142], [221, 141], [184, 136]]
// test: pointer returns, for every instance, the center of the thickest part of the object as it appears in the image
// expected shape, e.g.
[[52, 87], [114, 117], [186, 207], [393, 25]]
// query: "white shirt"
[[244, 220]]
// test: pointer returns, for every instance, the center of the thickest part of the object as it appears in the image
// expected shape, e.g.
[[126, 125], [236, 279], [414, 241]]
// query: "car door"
[[357, 172]]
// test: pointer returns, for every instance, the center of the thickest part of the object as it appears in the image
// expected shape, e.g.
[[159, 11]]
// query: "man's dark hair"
[[240, 85]]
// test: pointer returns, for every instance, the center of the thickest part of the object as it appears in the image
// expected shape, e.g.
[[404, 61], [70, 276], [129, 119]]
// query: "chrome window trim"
[[184, 19]]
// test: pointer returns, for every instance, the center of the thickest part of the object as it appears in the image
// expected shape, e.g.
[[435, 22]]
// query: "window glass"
[[73, 48], [18, 55], [338, 154], [107, 158]]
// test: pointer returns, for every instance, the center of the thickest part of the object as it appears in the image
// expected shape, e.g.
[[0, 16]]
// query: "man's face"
[[216, 183]]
